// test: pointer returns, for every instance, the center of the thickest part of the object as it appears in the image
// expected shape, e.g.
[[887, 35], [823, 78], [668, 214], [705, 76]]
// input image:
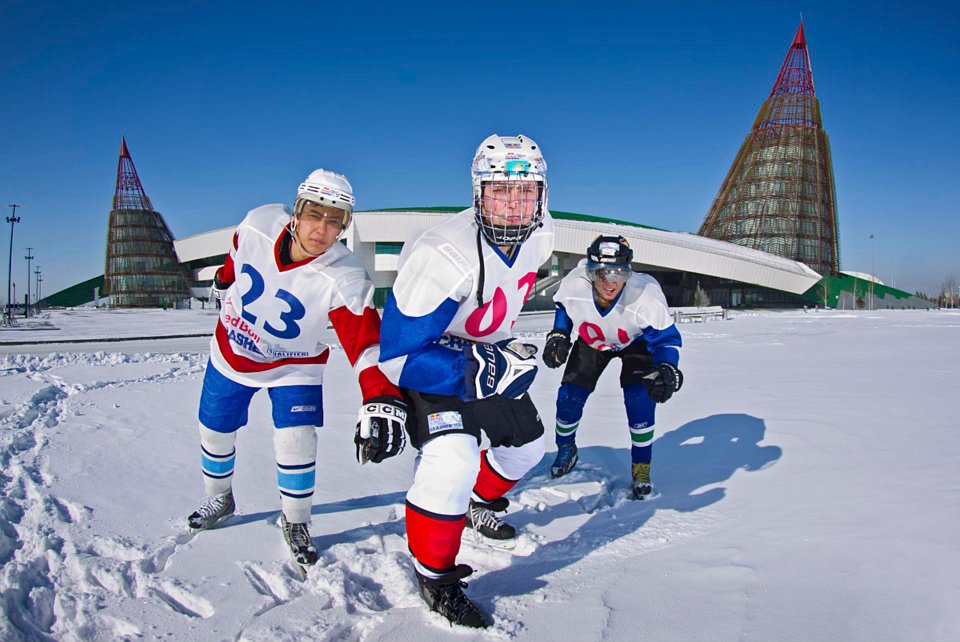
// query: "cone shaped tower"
[[142, 268], [779, 195]]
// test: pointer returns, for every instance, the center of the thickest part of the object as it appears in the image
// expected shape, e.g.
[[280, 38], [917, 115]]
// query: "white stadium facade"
[[679, 260]]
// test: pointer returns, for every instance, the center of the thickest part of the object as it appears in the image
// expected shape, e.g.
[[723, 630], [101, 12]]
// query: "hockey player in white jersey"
[[448, 343], [284, 278], [614, 312]]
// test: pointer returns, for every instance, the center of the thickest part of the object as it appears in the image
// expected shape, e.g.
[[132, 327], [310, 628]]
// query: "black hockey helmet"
[[609, 256]]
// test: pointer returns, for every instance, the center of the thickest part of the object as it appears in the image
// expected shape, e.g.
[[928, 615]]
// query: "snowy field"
[[808, 472]]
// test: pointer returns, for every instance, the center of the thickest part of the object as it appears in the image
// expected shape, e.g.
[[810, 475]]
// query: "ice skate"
[[445, 596], [566, 459], [482, 518], [302, 550], [642, 487], [212, 512]]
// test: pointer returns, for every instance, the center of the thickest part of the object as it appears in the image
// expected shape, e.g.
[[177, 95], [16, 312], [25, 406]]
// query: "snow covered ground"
[[808, 472]]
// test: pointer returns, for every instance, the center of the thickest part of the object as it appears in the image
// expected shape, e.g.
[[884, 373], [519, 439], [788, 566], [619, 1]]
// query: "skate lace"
[[212, 506], [452, 601], [485, 517], [298, 535]]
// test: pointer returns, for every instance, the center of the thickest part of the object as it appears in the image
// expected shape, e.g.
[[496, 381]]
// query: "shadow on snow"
[[701, 453]]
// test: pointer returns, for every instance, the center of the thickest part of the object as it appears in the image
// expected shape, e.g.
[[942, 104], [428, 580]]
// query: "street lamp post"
[[36, 271], [29, 257], [872, 272], [13, 219]]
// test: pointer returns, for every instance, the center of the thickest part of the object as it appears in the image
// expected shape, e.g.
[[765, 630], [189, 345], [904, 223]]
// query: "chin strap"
[[482, 270], [292, 229]]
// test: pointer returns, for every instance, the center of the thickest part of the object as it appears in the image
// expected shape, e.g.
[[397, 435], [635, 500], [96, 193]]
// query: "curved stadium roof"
[[654, 249]]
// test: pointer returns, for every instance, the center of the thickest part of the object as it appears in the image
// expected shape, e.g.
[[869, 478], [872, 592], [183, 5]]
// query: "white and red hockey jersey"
[[433, 309], [273, 316], [640, 311]]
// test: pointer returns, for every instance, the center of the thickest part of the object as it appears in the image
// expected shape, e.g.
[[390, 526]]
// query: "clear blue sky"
[[640, 108]]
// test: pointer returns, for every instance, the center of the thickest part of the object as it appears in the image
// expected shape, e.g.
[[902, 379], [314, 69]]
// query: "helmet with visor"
[[608, 259], [328, 189]]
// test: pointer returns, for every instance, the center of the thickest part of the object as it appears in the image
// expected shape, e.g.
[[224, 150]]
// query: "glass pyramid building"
[[779, 195], [142, 269]]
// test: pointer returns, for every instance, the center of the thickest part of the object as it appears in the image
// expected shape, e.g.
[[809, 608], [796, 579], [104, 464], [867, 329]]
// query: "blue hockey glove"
[[557, 348], [381, 429], [506, 368], [662, 380]]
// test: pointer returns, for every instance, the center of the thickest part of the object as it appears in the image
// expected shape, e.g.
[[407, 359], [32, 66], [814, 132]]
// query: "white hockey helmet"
[[507, 159], [326, 188]]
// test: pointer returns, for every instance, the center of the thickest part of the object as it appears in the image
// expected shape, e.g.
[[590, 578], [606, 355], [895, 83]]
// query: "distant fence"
[[698, 315]]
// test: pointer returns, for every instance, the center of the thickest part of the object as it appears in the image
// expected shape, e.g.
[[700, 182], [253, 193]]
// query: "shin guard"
[[218, 456], [296, 449]]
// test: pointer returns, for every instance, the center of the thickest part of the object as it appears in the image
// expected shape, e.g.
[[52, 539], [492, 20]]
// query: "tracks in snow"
[[55, 587], [52, 587]]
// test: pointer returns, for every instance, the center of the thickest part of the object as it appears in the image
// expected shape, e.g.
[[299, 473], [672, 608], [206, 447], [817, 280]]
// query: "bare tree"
[[700, 298], [823, 290], [948, 293]]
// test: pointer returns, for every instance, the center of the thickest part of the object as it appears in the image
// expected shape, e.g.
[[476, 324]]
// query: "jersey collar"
[[613, 304], [289, 266], [503, 257]]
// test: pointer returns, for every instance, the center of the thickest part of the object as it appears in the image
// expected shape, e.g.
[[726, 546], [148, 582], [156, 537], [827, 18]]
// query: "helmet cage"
[[510, 160], [499, 197]]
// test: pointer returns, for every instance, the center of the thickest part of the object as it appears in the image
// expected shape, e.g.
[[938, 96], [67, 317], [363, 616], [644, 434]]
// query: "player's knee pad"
[[296, 444], [514, 463], [570, 401], [447, 468]]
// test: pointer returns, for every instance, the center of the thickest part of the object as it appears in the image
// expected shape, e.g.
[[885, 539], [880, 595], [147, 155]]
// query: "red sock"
[[490, 484], [434, 539]]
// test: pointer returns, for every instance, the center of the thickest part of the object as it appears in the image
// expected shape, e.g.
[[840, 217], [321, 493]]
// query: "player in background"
[[448, 343], [284, 277], [614, 312]]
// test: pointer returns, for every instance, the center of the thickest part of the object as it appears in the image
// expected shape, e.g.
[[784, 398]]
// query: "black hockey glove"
[[557, 348], [380, 429], [662, 380], [506, 368]]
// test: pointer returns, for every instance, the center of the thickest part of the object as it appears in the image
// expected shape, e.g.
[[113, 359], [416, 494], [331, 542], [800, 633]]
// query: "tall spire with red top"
[[142, 269], [779, 195], [792, 100], [796, 74], [129, 194]]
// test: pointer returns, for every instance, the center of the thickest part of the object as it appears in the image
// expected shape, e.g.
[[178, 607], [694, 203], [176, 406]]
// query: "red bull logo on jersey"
[[241, 333], [243, 341]]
